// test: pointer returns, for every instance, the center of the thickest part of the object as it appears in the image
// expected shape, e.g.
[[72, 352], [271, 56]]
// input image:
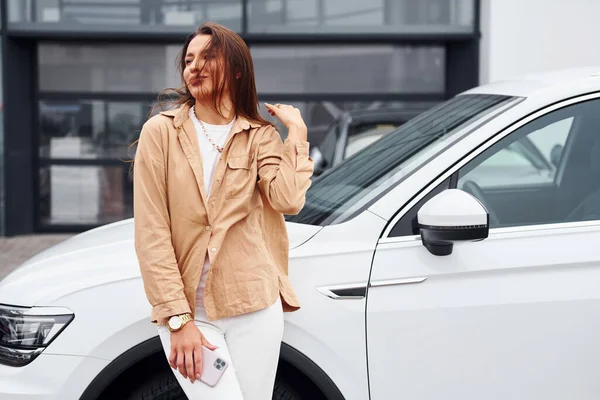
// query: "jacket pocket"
[[240, 180], [239, 162]]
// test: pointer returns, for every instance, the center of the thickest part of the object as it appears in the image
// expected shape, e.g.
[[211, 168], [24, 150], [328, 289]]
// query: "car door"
[[514, 316]]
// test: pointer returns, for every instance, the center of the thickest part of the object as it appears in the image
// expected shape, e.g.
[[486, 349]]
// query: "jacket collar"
[[181, 114]]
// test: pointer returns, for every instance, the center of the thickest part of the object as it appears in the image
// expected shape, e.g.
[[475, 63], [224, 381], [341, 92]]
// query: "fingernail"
[[198, 376]]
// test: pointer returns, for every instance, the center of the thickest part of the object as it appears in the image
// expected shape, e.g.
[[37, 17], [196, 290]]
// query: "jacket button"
[[208, 228], [213, 249]]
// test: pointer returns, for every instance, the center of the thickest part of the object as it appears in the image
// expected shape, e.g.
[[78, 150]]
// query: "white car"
[[424, 271]]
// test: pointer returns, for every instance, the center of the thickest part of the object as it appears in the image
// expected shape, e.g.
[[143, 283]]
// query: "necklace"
[[212, 142]]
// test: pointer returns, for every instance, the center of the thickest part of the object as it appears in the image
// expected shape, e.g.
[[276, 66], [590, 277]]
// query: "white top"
[[210, 156]]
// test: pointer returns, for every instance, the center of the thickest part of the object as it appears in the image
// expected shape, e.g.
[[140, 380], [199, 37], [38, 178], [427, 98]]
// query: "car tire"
[[164, 386], [283, 391], [160, 386]]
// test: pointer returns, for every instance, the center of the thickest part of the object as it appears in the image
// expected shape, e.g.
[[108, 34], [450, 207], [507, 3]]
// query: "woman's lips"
[[198, 80]]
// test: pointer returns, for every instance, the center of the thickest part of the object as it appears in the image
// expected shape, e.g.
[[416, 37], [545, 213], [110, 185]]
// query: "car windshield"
[[348, 188]]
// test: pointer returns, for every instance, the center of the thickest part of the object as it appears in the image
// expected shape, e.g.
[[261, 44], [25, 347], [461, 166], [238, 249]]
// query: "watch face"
[[175, 322]]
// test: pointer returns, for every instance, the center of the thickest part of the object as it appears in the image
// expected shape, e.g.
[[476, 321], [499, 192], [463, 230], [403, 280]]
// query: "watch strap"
[[185, 318]]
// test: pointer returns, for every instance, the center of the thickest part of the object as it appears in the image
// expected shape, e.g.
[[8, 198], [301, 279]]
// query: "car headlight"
[[25, 332]]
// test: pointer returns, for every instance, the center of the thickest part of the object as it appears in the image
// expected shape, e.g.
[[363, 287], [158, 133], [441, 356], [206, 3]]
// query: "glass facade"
[[349, 69], [85, 146], [325, 57], [298, 69], [352, 16], [136, 15], [89, 195], [107, 68], [89, 129], [263, 16], [96, 136]]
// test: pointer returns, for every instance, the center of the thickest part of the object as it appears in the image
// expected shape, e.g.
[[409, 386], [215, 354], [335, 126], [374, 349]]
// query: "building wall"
[[524, 36]]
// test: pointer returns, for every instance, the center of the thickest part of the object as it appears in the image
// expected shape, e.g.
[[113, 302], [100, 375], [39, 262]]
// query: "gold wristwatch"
[[176, 322]]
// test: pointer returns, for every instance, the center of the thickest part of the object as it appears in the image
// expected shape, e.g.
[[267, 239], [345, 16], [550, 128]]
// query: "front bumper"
[[49, 377]]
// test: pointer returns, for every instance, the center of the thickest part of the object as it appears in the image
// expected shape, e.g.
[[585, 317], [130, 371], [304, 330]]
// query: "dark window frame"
[[4, 77]]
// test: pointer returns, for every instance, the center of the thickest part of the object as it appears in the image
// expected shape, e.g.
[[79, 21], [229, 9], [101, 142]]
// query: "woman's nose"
[[197, 66]]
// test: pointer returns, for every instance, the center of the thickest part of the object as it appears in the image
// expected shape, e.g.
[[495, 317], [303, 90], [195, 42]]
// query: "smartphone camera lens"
[[219, 364]]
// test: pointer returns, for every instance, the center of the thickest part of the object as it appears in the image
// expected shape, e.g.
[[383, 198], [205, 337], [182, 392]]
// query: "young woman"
[[212, 180]]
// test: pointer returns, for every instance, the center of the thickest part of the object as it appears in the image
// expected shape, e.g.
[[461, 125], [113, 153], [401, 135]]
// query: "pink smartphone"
[[213, 366]]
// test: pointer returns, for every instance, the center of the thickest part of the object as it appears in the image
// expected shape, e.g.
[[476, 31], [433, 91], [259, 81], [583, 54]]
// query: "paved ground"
[[15, 250]]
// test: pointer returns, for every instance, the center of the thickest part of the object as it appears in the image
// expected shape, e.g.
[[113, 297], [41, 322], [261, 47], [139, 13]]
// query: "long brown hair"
[[237, 81]]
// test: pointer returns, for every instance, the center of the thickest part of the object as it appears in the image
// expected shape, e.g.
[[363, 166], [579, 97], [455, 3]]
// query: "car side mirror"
[[318, 160], [450, 216], [556, 154]]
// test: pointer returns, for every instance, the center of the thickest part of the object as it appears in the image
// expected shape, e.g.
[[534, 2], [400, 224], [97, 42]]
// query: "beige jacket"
[[258, 179]]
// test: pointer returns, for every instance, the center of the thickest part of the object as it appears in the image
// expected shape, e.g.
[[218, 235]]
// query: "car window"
[[363, 135], [342, 192], [508, 157], [551, 137], [527, 160], [520, 184], [328, 144]]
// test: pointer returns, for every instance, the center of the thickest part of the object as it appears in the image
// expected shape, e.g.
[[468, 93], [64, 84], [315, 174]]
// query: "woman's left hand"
[[288, 115]]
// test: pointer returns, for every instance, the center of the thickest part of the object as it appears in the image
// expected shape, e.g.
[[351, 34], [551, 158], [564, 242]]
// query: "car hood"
[[96, 257]]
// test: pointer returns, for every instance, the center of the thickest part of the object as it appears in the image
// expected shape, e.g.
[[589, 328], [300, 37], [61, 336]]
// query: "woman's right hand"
[[186, 351]]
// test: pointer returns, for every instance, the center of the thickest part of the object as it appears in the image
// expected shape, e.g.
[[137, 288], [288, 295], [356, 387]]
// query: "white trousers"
[[251, 342]]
